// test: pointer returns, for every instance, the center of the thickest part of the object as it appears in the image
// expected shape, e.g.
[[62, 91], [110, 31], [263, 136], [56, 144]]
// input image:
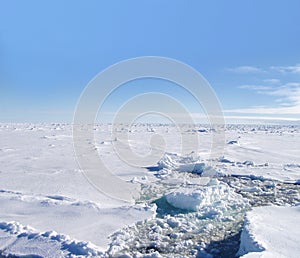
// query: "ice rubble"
[[271, 232], [201, 211], [185, 230], [205, 211]]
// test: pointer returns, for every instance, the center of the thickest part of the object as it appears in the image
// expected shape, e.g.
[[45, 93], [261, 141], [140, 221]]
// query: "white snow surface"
[[43, 191], [82, 220], [263, 152], [23, 241], [271, 232], [42, 186]]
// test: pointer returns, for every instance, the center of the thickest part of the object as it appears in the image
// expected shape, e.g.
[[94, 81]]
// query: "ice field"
[[244, 202]]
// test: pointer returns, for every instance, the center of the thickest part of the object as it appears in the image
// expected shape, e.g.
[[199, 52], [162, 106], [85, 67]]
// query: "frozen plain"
[[49, 209]]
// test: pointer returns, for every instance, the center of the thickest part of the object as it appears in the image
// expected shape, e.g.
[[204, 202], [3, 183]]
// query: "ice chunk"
[[214, 194], [183, 164]]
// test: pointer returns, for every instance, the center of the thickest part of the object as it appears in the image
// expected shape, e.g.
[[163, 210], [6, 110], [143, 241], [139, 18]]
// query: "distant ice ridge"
[[214, 197], [19, 240], [190, 163], [271, 232]]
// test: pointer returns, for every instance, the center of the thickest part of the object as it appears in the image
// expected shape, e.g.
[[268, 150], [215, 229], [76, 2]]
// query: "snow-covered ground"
[[48, 207], [271, 232]]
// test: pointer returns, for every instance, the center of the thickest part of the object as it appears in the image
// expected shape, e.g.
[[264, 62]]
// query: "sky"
[[247, 50]]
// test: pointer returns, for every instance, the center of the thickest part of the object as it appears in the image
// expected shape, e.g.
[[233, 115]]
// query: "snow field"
[[181, 211]]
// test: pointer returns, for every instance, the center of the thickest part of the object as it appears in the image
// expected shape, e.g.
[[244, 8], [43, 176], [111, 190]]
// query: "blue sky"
[[247, 50]]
